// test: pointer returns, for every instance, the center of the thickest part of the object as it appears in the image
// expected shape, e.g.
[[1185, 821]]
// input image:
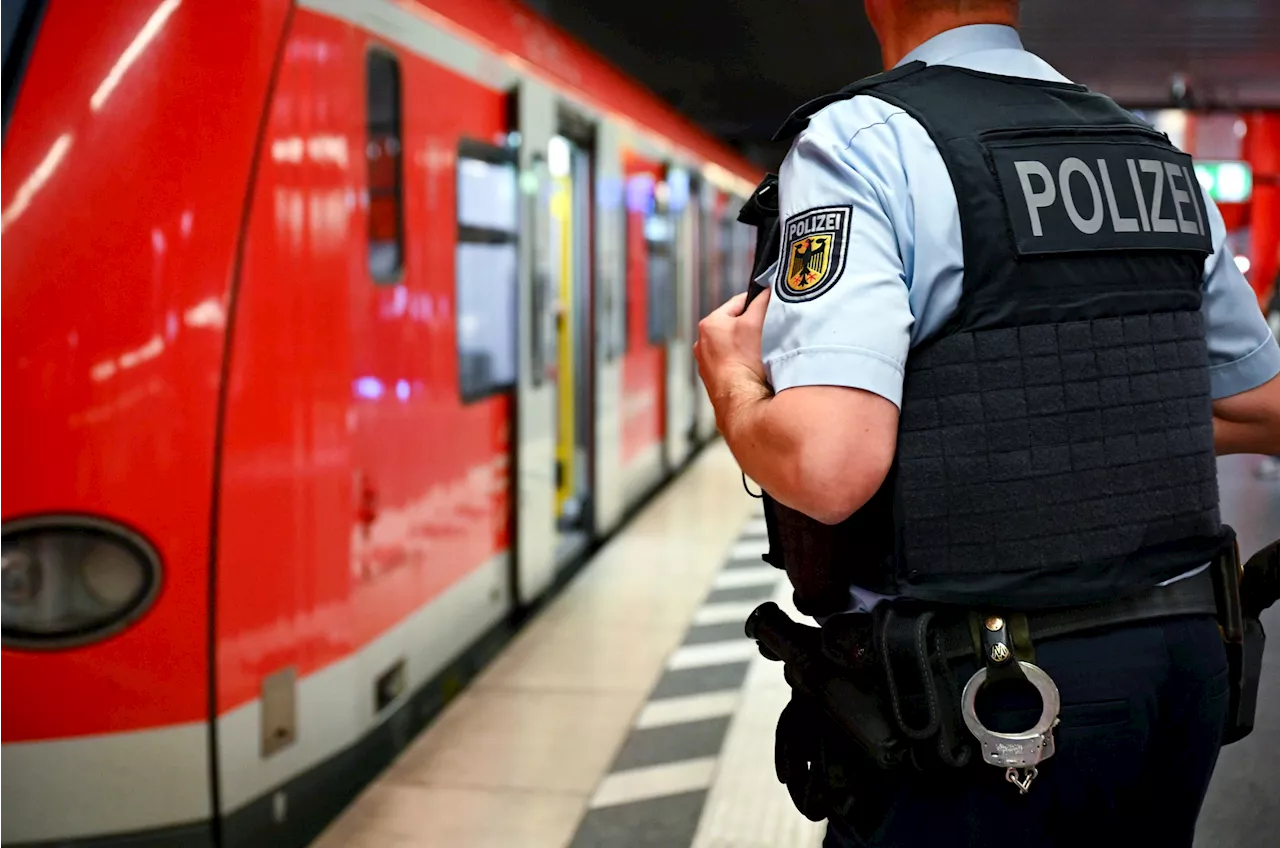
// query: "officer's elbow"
[[840, 499], [836, 449], [833, 485]]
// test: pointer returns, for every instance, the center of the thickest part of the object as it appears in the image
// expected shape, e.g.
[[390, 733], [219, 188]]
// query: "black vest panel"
[[1056, 437]]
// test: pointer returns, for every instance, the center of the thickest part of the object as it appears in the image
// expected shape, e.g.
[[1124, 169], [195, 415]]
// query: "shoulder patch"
[[814, 245]]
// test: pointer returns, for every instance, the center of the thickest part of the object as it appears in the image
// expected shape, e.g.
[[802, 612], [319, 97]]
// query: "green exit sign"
[[1226, 182]]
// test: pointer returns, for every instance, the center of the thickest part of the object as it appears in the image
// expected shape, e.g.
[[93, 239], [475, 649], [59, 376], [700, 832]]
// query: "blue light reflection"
[[369, 387]]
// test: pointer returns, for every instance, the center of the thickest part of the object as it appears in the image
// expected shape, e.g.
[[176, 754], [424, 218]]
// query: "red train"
[[333, 332]]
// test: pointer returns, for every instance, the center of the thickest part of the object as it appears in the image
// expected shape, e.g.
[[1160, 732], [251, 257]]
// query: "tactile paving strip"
[[675, 783]]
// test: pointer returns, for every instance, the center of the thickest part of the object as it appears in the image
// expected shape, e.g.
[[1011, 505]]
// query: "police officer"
[[1000, 295]]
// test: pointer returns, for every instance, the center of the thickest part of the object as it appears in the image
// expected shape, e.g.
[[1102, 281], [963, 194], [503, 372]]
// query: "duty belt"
[[885, 679], [1004, 642], [954, 631]]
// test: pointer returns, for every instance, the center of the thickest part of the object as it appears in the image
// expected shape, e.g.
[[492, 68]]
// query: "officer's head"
[[902, 25]]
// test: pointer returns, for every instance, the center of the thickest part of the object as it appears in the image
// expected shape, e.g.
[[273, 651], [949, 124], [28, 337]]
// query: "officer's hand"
[[728, 345]]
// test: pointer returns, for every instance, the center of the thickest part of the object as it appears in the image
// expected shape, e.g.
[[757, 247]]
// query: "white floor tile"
[[690, 708], [749, 548], [626, 787], [390, 815], [712, 653], [521, 739], [733, 578], [723, 613]]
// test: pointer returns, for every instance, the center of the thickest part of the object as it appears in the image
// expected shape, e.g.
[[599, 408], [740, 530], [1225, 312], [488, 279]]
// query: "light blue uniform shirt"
[[905, 260]]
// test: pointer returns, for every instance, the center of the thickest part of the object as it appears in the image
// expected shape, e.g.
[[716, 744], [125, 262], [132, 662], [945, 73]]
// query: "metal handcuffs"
[[1017, 753]]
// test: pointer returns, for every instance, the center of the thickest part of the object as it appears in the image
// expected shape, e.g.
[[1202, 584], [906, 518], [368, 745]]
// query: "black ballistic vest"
[[1056, 437]]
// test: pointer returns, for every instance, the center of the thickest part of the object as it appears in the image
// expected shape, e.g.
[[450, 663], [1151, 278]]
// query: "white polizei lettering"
[[1118, 223], [1142, 200], [1072, 165], [824, 223], [1160, 225], [1036, 200], [1194, 186], [1179, 197]]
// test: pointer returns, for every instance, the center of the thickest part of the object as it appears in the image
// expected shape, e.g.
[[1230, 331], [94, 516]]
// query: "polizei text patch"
[[814, 244], [1079, 195]]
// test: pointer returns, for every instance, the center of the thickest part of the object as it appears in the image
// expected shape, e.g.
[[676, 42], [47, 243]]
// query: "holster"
[[830, 672], [1242, 594]]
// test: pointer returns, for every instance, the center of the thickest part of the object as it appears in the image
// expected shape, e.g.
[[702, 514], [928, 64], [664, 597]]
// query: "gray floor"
[[1243, 807]]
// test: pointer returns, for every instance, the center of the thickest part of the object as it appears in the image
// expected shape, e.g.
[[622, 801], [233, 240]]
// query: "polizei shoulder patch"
[[814, 245]]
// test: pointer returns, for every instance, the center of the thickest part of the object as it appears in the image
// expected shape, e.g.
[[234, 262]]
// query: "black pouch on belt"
[[1256, 587], [1244, 643]]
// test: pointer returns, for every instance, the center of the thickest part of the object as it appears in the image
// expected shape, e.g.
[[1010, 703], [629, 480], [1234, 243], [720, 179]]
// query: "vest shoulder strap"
[[761, 211], [799, 119]]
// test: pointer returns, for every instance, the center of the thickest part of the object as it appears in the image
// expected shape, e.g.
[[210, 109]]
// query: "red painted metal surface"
[[125, 167], [508, 28], [1262, 150], [644, 364], [357, 486]]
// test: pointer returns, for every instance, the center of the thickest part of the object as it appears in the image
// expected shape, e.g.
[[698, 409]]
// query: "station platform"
[[633, 713]]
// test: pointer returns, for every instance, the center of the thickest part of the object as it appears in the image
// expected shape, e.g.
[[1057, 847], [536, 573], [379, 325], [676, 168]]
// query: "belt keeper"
[[1002, 641]]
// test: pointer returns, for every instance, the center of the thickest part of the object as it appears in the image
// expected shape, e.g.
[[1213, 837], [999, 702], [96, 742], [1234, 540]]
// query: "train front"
[[129, 136]]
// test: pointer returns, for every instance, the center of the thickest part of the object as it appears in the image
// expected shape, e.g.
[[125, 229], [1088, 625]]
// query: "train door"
[[609, 337], [533, 116], [570, 214], [679, 356], [697, 262], [649, 251]]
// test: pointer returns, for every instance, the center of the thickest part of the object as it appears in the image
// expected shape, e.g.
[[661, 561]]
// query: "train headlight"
[[21, 578], [68, 581]]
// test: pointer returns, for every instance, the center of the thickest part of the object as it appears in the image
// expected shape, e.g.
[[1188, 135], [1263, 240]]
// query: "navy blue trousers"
[[1143, 708]]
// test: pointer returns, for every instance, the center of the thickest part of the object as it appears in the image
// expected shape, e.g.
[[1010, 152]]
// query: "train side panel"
[[366, 505], [126, 164]]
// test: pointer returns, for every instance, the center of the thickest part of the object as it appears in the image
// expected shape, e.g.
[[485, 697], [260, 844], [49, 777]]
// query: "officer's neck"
[[899, 36]]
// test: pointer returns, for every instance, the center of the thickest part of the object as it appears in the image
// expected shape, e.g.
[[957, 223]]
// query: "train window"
[[706, 299], [20, 19], [486, 269], [386, 173], [659, 236], [727, 253]]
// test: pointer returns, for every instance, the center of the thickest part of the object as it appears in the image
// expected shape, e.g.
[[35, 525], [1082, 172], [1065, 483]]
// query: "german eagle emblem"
[[815, 252]]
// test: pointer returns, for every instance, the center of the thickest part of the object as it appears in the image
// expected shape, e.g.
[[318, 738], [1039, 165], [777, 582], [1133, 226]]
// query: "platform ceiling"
[[737, 67]]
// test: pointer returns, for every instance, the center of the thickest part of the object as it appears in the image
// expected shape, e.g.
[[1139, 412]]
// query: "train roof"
[[528, 41]]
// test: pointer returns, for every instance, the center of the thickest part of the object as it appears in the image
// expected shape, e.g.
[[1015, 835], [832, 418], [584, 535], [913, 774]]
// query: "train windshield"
[[19, 19]]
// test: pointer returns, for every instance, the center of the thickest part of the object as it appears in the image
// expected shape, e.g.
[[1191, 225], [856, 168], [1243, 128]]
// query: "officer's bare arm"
[[821, 450], [1249, 422]]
